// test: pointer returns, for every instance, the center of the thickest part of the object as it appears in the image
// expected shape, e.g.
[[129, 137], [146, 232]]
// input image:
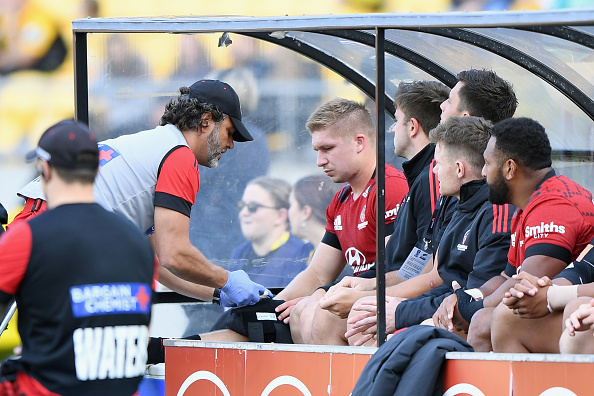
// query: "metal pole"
[[380, 259], [8, 316]]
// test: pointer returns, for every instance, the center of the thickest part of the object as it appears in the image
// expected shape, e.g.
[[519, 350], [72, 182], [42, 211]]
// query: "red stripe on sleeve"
[[500, 218], [433, 180], [15, 250]]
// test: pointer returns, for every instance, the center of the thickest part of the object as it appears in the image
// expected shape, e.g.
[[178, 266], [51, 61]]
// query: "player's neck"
[[68, 194]]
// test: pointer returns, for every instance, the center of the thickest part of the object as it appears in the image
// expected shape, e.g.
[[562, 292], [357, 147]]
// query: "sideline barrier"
[[233, 369]]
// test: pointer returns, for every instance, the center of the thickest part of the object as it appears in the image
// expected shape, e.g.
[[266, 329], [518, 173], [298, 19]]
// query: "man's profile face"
[[400, 130], [219, 140], [451, 106], [498, 187], [336, 154], [445, 168]]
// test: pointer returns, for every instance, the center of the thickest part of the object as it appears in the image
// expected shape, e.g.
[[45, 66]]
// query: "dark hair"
[[186, 113], [421, 100], [525, 141], [80, 175], [485, 94], [465, 136], [315, 191]]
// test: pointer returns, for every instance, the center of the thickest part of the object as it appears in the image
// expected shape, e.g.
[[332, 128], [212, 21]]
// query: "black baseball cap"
[[224, 98], [62, 144]]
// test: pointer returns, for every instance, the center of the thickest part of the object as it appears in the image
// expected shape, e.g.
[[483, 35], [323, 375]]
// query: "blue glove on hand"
[[240, 290]]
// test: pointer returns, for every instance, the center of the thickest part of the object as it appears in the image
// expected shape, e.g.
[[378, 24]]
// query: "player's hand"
[[444, 315], [363, 321], [528, 297], [358, 283], [339, 301], [581, 319], [286, 308], [240, 290]]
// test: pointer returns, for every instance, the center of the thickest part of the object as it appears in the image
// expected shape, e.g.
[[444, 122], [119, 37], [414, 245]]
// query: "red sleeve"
[[396, 190], [554, 221], [15, 250], [178, 181], [331, 209]]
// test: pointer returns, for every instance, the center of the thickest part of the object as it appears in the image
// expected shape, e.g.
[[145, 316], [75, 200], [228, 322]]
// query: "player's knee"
[[479, 332], [503, 323]]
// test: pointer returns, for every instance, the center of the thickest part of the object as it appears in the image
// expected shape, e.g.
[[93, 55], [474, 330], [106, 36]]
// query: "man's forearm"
[[191, 265], [415, 286], [190, 289], [304, 284]]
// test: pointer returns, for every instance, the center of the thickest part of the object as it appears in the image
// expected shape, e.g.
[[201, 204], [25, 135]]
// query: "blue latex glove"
[[240, 290]]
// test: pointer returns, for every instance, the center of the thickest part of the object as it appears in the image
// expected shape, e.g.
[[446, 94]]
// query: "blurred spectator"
[[271, 256], [192, 60], [88, 8], [29, 38], [214, 225], [309, 199]]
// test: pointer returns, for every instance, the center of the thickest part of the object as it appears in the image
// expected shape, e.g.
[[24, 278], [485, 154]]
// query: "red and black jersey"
[[82, 278], [557, 222], [353, 221]]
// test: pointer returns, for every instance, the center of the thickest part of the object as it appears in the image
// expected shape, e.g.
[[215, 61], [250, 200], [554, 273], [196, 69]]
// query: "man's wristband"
[[216, 296], [559, 296]]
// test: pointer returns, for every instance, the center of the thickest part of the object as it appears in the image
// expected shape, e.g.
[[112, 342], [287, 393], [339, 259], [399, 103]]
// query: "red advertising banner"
[[251, 369]]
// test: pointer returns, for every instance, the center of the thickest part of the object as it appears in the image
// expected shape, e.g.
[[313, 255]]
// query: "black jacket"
[[3, 218], [409, 363], [472, 250], [416, 210]]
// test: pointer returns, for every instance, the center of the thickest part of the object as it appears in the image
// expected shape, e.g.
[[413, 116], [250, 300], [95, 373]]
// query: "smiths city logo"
[[543, 230], [106, 154], [113, 298], [363, 223], [463, 246], [338, 223]]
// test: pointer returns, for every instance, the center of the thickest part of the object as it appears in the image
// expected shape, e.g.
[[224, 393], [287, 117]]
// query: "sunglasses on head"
[[252, 207]]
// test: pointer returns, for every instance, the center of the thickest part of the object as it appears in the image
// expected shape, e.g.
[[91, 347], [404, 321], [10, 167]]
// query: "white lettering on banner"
[[543, 230], [286, 380], [462, 389], [203, 375], [110, 352], [558, 391]]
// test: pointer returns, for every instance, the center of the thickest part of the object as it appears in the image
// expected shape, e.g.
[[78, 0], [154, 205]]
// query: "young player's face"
[[446, 170], [498, 187], [336, 154], [450, 106], [258, 216], [401, 137]]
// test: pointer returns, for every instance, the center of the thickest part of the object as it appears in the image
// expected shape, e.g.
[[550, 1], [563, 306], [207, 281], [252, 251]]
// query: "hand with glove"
[[240, 290]]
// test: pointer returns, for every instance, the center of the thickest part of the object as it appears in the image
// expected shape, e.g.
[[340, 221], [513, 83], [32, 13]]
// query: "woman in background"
[[271, 256], [309, 199]]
